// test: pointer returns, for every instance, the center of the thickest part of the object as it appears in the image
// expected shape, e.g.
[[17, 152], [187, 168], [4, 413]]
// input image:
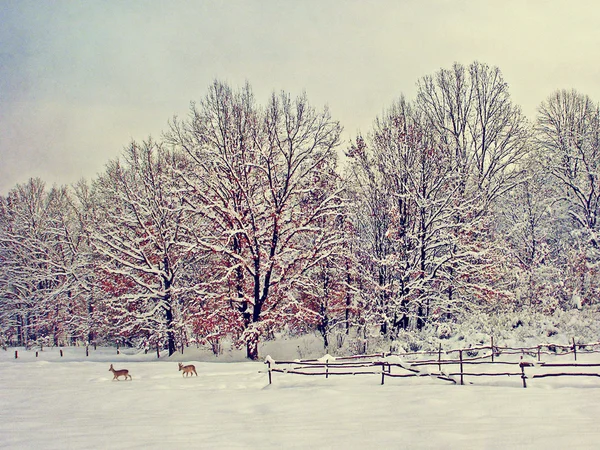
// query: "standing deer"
[[187, 370], [119, 373]]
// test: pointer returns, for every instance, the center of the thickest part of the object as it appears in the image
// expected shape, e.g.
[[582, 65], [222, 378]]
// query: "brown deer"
[[119, 373], [187, 370]]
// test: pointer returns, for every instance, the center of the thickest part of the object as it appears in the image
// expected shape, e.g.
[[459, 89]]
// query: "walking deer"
[[119, 373], [187, 370]]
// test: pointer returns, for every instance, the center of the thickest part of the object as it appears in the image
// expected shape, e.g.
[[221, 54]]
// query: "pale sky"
[[80, 79]]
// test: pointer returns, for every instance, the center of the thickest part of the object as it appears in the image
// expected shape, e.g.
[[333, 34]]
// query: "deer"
[[119, 373], [187, 370]]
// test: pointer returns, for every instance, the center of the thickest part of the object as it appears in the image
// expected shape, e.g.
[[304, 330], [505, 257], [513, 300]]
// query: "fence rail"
[[394, 365]]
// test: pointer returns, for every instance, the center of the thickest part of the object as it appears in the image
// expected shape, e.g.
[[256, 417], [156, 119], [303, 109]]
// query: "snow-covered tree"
[[531, 223], [470, 111], [141, 232], [328, 298], [405, 190], [40, 247], [568, 137], [264, 186]]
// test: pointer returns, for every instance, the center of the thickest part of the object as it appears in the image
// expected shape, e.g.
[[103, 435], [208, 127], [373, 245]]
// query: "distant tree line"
[[245, 219]]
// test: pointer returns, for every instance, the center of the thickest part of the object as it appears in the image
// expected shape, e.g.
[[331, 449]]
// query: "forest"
[[250, 218]]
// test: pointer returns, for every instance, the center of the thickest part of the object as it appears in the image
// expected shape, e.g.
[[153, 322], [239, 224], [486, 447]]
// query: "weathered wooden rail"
[[330, 366], [393, 365]]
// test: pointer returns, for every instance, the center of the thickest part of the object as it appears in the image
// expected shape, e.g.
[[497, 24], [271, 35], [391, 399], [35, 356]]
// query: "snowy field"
[[71, 403]]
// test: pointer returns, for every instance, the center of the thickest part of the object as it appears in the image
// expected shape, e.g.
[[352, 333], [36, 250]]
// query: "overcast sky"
[[80, 79]]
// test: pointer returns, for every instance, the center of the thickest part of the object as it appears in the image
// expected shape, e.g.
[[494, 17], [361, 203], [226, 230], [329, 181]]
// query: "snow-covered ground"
[[51, 402]]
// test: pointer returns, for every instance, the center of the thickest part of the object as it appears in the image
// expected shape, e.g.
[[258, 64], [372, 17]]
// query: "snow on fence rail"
[[394, 365]]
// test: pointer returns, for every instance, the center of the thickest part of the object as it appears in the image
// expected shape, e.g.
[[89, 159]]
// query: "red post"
[[61, 353], [16, 354]]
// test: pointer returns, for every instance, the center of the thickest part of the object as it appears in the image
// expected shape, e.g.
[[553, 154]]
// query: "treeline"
[[241, 221]]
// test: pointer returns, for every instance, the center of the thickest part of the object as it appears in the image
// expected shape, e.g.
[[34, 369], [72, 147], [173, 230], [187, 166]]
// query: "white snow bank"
[[58, 404]]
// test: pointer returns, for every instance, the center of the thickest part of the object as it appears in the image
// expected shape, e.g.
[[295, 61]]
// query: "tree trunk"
[[252, 348], [20, 329], [170, 333], [168, 282], [348, 302]]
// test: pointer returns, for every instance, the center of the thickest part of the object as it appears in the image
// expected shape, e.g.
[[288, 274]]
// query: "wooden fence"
[[452, 365]]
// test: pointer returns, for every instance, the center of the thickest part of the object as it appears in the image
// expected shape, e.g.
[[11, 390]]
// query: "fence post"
[[382, 373], [539, 353], [87, 350], [61, 353], [574, 349], [269, 366], [16, 354], [461, 367], [440, 358], [327, 368], [36, 354], [492, 338], [523, 375]]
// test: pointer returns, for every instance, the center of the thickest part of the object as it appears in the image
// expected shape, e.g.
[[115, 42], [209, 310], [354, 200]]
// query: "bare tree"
[[470, 111], [40, 246], [568, 137], [532, 223], [405, 184], [141, 234], [263, 184]]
